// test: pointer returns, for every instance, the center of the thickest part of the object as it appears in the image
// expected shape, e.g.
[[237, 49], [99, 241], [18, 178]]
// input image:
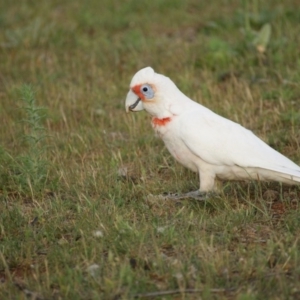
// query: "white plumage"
[[204, 141]]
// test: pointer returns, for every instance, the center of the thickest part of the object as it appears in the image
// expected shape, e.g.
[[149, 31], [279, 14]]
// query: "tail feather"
[[289, 176]]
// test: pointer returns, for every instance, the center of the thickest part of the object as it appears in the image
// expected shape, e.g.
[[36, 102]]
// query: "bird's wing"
[[219, 141]]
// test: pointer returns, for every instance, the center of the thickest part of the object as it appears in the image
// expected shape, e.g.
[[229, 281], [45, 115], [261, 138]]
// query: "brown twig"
[[173, 292]]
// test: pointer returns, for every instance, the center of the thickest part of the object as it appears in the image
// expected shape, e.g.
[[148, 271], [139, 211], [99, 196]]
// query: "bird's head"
[[150, 91]]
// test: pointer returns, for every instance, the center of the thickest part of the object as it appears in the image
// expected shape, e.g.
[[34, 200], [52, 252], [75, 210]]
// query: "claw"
[[197, 195]]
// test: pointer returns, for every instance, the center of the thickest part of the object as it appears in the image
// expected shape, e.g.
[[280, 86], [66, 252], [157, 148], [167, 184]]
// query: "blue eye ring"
[[147, 91]]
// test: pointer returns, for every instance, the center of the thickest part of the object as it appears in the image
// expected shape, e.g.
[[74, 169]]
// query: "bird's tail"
[[288, 176]]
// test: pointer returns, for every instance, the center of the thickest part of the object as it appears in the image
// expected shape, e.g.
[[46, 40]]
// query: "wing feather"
[[219, 141]]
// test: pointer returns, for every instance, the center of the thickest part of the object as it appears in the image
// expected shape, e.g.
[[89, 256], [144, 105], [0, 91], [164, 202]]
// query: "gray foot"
[[197, 195]]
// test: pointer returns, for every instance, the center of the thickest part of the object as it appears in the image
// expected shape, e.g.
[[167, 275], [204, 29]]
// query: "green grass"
[[78, 219]]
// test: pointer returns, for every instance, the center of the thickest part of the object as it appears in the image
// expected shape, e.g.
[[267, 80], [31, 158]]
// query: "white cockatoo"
[[203, 141]]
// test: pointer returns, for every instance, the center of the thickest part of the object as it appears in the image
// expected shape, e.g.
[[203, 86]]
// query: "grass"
[[79, 216]]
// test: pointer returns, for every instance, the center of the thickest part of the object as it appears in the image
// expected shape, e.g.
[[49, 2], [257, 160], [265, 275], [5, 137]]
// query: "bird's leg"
[[206, 191]]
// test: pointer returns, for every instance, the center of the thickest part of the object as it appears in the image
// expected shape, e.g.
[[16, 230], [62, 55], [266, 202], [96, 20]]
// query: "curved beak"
[[133, 103]]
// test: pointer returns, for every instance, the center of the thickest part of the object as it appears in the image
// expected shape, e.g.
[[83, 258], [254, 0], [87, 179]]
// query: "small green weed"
[[28, 171]]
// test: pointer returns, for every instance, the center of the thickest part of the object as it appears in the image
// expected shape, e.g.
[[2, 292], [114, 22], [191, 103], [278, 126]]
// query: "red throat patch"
[[161, 122]]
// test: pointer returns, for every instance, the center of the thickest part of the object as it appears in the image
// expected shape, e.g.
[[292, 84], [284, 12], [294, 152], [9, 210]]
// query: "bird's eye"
[[147, 91]]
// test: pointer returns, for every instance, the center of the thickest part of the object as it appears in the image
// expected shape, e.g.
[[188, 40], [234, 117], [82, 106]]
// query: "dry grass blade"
[[29, 294]]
